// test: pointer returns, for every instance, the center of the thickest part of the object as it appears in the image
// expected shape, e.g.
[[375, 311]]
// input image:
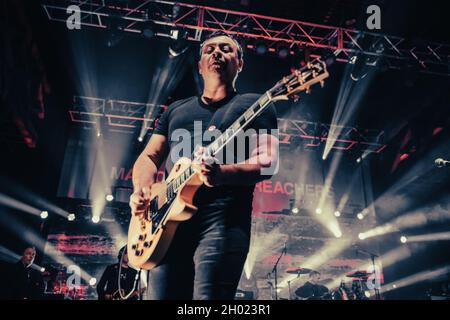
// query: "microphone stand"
[[372, 258], [290, 294], [274, 271]]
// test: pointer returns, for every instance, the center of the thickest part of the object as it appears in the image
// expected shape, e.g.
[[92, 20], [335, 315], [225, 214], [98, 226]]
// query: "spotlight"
[[367, 294], [109, 197], [92, 281], [44, 214], [358, 160], [95, 219], [337, 214], [71, 217], [295, 210], [283, 51], [318, 211], [115, 34], [148, 32], [360, 216], [179, 44], [361, 236], [403, 239], [394, 286], [140, 139], [261, 48], [338, 234]]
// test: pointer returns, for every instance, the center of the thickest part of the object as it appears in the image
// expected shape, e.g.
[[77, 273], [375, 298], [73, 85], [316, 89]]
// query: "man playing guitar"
[[207, 254], [108, 286]]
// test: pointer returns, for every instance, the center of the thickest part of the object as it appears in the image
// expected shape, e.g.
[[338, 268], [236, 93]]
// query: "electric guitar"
[[150, 234], [121, 293]]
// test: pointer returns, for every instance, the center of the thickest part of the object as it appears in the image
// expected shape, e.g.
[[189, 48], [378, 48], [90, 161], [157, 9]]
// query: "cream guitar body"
[[150, 234], [148, 242]]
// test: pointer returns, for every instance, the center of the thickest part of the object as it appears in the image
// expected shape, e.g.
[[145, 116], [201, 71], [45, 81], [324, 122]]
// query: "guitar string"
[[235, 131]]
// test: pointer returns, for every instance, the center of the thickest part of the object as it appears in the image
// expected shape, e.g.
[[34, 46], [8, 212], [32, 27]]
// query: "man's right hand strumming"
[[139, 200]]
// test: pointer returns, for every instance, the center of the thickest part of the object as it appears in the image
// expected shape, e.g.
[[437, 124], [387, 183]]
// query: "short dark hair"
[[24, 248], [314, 273], [216, 34]]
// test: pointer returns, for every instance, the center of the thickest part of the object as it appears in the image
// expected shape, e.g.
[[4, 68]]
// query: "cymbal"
[[358, 274], [298, 271]]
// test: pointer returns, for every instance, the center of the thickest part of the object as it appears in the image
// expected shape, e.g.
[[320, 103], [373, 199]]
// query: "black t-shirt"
[[25, 282], [187, 114], [309, 290], [108, 282]]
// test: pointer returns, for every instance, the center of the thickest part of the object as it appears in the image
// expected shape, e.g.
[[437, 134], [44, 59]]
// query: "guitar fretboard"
[[212, 149]]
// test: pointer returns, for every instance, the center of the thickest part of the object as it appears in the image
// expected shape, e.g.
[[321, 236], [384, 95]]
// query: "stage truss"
[[165, 18], [129, 117]]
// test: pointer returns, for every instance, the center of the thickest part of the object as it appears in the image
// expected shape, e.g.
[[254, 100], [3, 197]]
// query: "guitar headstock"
[[300, 80]]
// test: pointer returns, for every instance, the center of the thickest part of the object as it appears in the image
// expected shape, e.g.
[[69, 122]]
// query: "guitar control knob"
[[138, 252], [146, 244], [134, 247], [141, 237]]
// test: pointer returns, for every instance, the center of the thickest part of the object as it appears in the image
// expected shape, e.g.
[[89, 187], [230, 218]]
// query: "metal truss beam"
[[135, 16], [127, 116], [116, 114], [313, 135]]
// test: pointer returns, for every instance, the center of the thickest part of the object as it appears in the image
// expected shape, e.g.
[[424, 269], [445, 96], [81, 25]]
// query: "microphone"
[[441, 163]]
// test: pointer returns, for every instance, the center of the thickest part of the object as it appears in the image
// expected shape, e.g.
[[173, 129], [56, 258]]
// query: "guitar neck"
[[240, 124], [217, 145]]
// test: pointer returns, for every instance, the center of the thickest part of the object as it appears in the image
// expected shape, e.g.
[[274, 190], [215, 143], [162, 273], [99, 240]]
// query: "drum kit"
[[353, 289]]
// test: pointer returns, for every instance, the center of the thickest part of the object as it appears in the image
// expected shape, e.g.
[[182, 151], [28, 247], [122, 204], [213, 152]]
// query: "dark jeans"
[[204, 261]]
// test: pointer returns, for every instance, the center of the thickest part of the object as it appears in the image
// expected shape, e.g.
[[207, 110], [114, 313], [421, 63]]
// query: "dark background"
[[406, 105]]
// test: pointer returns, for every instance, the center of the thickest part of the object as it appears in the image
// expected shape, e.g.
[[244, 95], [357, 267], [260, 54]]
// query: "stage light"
[[338, 234], [261, 48], [337, 213], [360, 216], [358, 160], [283, 51], [440, 236], [44, 214], [42, 269], [318, 211], [367, 294], [394, 286], [403, 239], [361, 236], [95, 219], [71, 217], [179, 44], [109, 197], [295, 210], [140, 139], [148, 32], [92, 281]]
